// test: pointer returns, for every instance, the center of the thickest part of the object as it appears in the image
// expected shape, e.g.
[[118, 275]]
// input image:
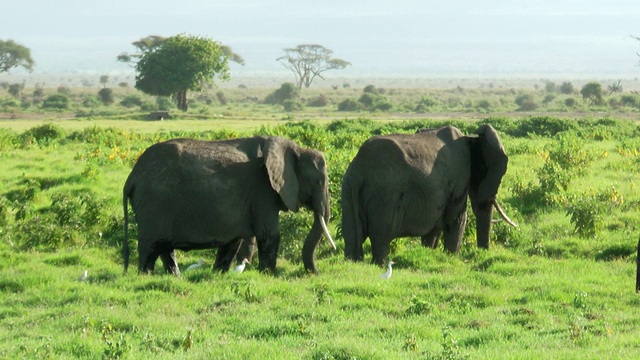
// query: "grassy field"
[[560, 286]]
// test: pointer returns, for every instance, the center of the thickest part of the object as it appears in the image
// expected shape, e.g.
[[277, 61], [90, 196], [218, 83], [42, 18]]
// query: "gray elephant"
[[194, 194], [417, 185]]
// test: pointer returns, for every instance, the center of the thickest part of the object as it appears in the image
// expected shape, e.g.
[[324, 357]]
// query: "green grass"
[[541, 291], [495, 305]]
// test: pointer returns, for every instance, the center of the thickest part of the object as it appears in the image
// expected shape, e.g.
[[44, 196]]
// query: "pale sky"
[[379, 37]]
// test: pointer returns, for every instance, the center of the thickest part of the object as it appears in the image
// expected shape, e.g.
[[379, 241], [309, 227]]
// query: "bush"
[[56, 101], [570, 102], [373, 102], [287, 91], [592, 92], [222, 98], [91, 102], [566, 88], [320, 101], [163, 103], [106, 96], [425, 103], [292, 105], [130, 101], [349, 105], [526, 102]]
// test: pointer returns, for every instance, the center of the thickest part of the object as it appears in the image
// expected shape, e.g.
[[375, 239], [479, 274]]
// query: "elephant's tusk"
[[501, 212], [326, 232]]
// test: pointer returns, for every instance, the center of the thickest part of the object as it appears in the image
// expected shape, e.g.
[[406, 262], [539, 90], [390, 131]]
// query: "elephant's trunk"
[[484, 216], [319, 227]]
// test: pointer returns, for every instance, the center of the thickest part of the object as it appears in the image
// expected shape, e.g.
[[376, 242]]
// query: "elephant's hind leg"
[[226, 254], [431, 238], [145, 255], [170, 263], [379, 249]]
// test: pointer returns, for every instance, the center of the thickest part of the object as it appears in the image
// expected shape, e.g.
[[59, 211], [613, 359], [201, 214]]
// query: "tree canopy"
[[309, 61], [179, 64], [13, 55], [151, 42]]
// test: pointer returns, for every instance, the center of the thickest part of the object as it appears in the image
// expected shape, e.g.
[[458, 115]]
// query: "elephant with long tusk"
[[417, 185], [194, 194]]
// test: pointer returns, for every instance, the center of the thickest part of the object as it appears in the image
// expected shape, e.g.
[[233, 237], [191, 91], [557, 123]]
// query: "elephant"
[[195, 194], [401, 185]]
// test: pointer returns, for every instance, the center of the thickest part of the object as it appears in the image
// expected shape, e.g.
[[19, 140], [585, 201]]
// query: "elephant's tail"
[[125, 208]]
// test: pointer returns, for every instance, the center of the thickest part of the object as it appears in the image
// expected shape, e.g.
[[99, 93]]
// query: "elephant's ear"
[[496, 162], [280, 161]]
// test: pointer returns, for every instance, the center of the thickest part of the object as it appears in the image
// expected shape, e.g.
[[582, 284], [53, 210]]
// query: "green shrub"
[[91, 101], [425, 103], [287, 91], [542, 126], [349, 105], [526, 102], [222, 98], [106, 96], [570, 102], [592, 92], [566, 88], [131, 101], [292, 105], [56, 101], [320, 101]]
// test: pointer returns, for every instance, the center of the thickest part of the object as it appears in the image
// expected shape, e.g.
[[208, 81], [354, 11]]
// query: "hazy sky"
[[379, 37]]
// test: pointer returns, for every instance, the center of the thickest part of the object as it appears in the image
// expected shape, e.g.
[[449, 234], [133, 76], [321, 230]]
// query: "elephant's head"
[[488, 165], [300, 177]]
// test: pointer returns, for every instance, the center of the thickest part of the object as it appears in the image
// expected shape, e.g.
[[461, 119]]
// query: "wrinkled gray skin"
[[417, 185], [192, 194]]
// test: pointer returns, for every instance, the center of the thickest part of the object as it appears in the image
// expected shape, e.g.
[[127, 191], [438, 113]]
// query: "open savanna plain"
[[561, 285]]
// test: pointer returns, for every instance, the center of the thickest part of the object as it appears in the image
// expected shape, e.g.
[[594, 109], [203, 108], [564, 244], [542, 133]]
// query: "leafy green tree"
[[15, 90], [181, 63], [592, 92], [309, 61], [104, 79], [13, 55]]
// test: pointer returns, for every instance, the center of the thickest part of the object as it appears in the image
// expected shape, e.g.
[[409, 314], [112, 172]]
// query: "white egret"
[[84, 276], [387, 274], [240, 268], [194, 266]]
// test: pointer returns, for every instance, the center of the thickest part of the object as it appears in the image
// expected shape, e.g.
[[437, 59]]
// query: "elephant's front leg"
[[226, 253], [268, 252], [453, 231]]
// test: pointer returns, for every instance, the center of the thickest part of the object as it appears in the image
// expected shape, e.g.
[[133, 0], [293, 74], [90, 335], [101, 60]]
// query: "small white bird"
[[194, 266], [240, 267], [387, 274], [84, 276]]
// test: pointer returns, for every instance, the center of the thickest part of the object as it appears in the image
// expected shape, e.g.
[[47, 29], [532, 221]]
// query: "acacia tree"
[[13, 55], [309, 61], [181, 63]]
